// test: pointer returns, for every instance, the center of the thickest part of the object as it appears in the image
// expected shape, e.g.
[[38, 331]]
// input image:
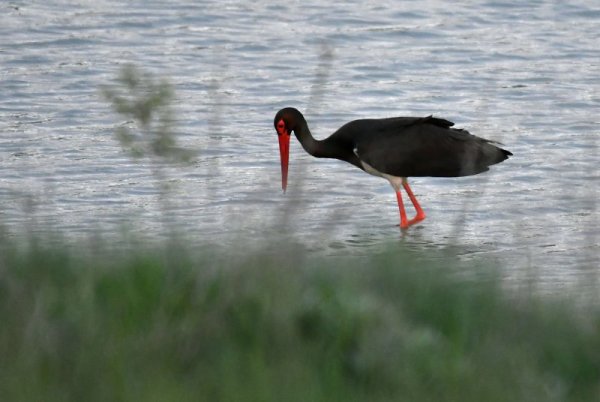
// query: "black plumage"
[[397, 147]]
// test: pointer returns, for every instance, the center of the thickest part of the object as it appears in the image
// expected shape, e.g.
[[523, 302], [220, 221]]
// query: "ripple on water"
[[522, 73]]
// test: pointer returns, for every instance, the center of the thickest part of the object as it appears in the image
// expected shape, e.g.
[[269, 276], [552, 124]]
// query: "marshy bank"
[[175, 324]]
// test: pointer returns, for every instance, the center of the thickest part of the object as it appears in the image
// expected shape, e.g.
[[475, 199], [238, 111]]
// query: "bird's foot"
[[405, 224]]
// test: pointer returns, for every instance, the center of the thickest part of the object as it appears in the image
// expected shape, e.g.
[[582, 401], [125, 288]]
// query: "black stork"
[[394, 148]]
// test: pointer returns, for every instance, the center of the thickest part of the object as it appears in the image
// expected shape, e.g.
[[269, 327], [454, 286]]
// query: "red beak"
[[284, 153]]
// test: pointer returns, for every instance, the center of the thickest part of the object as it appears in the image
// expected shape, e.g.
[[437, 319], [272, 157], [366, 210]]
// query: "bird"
[[394, 148]]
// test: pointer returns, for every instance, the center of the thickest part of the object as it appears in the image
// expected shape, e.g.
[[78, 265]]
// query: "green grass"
[[176, 325]]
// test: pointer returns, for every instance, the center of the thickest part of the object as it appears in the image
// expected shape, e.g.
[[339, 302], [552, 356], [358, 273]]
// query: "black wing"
[[424, 147]]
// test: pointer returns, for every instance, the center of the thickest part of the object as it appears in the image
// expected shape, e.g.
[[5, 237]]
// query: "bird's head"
[[285, 122]]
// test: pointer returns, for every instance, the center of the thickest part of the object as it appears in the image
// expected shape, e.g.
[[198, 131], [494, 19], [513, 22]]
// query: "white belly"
[[395, 181], [371, 170]]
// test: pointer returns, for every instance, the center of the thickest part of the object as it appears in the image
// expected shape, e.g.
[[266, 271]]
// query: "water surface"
[[526, 74]]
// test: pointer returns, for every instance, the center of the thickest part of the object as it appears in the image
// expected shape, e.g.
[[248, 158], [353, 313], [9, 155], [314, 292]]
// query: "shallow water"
[[526, 74]]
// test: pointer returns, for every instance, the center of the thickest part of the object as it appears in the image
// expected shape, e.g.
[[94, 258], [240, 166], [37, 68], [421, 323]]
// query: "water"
[[524, 73]]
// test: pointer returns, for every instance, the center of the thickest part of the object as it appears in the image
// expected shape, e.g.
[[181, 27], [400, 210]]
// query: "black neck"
[[327, 148], [305, 138]]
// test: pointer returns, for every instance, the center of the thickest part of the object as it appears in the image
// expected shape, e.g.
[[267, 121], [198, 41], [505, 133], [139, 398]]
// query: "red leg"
[[403, 221], [420, 214]]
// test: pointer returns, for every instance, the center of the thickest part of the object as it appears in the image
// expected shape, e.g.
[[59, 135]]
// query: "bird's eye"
[[281, 127]]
